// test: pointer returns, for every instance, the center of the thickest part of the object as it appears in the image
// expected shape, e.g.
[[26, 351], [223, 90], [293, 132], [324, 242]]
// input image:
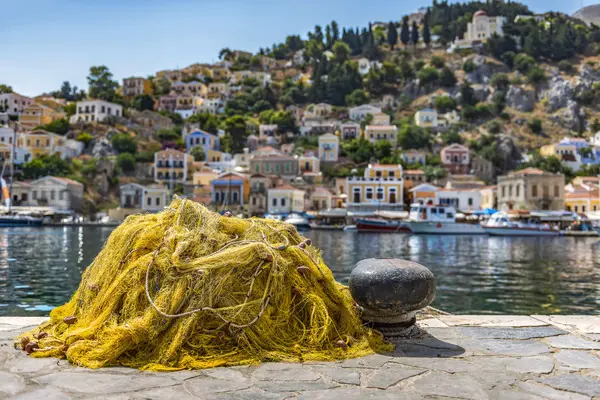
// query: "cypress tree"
[[426, 30], [414, 34], [392, 35], [404, 32]]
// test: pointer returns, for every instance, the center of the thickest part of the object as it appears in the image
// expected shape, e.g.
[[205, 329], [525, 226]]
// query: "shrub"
[[427, 76], [444, 104], [126, 161], [523, 62], [500, 81], [84, 138], [535, 125], [447, 78], [124, 143], [469, 66], [494, 127], [437, 62], [418, 65], [566, 66], [508, 58], [144, 157]]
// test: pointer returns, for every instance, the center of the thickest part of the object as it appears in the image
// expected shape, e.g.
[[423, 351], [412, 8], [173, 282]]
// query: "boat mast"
[[12, 166]]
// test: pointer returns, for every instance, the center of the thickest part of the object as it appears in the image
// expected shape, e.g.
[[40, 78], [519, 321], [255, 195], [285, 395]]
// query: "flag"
[[5, 194]]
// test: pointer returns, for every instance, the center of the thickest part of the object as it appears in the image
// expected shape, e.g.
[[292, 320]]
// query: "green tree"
[[285, 121], [123, 143], [101, 85], [595, 127], [467, 95], [161, 86], [58, 126], [126, 162], [382, 149], [70, 109], [357, 97], [447, 78], [437, 62], [405, 31], [374, 82], [341, 52], [84, 138], [413, 137], [359, 150], [143, 102], [428, 75], [414, 34], [469, 66], [444, 104], [46, 165], [523, 62], [235, 127], [392, 35], [198, 153], [5, 88], [426, 30], [167, 135], [500, 81]]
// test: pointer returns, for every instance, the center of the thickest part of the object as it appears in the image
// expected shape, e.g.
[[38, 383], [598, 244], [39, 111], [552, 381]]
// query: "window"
[[34, 195], [582, 208], [253, 200], [470, 201], [509, 190], [103, 109], [503, 191], [356, 195], [157, 201], [575, 208], [52, 195], [149, 200], [518, 189], [282, 202], [545, 191], [534, 191], [369, 193], [556, 191], [380, 191], [235, 197], [274, 202]]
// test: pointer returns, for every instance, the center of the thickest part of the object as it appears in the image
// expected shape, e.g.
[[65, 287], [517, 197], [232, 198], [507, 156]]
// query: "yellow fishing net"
[[189, 288]]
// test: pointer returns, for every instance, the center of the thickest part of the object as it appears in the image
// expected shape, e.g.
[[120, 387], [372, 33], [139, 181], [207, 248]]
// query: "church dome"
[[480, 13]]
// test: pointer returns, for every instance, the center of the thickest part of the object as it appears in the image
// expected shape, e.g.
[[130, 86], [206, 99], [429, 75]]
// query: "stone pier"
[[451, 356]]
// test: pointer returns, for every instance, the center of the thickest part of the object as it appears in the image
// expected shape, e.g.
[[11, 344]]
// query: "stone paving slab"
[[451, 357]]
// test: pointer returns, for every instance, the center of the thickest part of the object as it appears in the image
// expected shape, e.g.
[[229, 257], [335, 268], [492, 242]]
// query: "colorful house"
[[35, 115], [456, 158], [136, 86], [426, 118], [171, 165], [285, 199], [230, 188], [387, 171], [425, 193], [359, 113], [381, 188], [350, 130], [376, 133], [40, 142], [329, 147], [206, 140]]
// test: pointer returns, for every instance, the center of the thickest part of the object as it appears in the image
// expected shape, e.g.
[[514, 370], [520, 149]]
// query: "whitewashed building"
[[150, 198], [14, 103], [359, 113], [285, 199], [95, 111]]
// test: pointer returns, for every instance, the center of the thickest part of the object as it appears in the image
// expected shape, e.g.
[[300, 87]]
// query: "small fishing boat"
[[7, 221], [298, 221], [501, 225], [440, 220], [380, 225]]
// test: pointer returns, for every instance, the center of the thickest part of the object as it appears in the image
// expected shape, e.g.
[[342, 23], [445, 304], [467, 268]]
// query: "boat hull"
[[365, 225], [446, 228], [16, 222], [514, 231]]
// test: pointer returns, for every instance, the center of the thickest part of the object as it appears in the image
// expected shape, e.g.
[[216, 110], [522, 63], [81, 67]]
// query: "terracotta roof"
[[383, 165], [67, 180], [414, 172], [480, 13], [529, 171], [285, 187], [322, 189]]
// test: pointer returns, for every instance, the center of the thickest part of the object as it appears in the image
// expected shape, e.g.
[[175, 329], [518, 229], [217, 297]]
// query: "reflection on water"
[[41, 268]]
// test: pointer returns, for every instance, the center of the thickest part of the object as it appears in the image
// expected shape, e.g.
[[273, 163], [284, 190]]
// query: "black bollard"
[[389, 292]]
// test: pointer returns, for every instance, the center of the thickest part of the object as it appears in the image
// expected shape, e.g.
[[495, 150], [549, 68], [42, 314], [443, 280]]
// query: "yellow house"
[[582, 196], [40, 142], [383, 171], [204, 177], [171, 165], [221, 74], [376, 133], [329, 147], [321, 199], [35, 115], [426, 118], [215, 156]]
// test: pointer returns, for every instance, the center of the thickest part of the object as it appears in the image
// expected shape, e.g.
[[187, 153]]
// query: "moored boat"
[[501, 225], [298, 221], [380, 225], [19, 220], [430, 219]]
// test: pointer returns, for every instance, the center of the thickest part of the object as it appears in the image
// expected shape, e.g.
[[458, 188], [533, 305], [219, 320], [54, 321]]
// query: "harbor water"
[[40, 268]]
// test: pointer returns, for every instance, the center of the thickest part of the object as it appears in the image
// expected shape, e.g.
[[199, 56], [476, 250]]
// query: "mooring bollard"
[[389, 292]]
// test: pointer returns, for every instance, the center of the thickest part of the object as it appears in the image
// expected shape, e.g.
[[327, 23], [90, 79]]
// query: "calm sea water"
[[41, 268]]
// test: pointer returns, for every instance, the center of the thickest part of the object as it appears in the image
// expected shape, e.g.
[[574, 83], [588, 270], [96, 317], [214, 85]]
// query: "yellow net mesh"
[[189, 288]]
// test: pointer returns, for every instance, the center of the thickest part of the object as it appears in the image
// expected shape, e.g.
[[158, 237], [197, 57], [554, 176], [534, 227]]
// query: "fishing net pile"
[[189, 288]]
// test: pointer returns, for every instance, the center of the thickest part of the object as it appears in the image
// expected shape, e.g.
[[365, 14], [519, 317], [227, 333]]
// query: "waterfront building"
[[414, 157], [456, 158], [136, 86], [582, 195], [57, 193], [531, 189], [95, 111], [413, 177], [488, 197], [14, 103], [206, 140], [359, 113], [381, 188], [460, 199], [230, 189], [151, 198], [376, 133], [321, 199], [425, 193], [259, 185], [329, 147], [285, 199], [171, 165], [35, 115]]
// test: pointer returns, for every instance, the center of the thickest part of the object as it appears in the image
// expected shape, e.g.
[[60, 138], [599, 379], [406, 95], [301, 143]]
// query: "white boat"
[[439, 220], [501, 225], [298, 221]]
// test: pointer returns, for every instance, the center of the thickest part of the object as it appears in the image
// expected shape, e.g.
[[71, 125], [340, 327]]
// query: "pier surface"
[[455, 356]]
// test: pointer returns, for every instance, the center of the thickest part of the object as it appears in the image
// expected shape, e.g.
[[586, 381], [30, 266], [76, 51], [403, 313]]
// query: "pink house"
[[456, 158]]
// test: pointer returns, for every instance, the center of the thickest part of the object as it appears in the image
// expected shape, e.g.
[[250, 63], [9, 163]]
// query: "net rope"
[[188, 288]]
